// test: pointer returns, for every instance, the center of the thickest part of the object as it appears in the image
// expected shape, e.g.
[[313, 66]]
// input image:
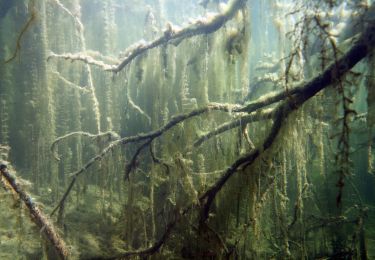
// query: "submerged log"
[[37, 215]]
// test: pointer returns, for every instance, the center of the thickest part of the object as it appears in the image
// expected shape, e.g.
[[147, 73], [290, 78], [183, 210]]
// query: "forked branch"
[[363, 47]]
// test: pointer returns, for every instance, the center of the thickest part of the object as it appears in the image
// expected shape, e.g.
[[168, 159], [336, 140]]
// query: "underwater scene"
[[187, 129]]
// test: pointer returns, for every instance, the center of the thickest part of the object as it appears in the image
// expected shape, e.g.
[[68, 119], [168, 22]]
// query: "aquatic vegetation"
[[191, 129]]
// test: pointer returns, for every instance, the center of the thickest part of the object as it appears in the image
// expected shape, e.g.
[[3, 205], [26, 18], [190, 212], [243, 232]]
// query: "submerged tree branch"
[[81, 57], [110, 136], [23, 31], [69, 83], [133, 162], [171, 36], [37, 215], [244, 120], [61, 203], [178, 119], [332, 74], [138, 109], [175, 36], [143, 253], [295, 99], [132, 139]]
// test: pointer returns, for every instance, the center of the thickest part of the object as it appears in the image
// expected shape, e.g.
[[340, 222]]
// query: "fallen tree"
[[37, 215]]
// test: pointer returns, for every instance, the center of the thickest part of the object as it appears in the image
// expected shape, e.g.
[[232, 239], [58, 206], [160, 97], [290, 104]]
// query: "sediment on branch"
[[37, 215], [363, 47], [171, 35]]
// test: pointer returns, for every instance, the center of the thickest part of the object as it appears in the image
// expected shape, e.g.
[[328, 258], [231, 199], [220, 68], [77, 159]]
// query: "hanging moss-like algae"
[[283, 205]]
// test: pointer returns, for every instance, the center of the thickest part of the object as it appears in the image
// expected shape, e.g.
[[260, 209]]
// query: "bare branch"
[[150, 136], [110, 135], [269, 99], [62, 200], [68, 12], [23, 31], [69, 83], [88, 60], [138, 109]]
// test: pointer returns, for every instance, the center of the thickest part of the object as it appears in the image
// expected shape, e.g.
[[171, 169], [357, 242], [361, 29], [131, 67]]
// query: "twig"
[[132, 164], [138, 109], [245, 133], [266, 114], [62, 201], [74, 175], [207, 198], [270, 99], [158, 160], [69, 83], [24, 29], [68, 12], [110, 135]]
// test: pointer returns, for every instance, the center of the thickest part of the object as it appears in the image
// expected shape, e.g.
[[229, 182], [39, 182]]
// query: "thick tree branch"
[[137, 138], [295, 98], [178, 119], [148, 136], [171, 35], [301, 94], [175, 36], [37, 215], [332, 74]]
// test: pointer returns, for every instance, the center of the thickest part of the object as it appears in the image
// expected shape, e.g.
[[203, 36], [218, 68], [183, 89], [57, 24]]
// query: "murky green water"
[[166, 129]]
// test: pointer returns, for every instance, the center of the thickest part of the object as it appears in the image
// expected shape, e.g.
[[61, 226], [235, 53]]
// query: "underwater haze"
[[194, 129]]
